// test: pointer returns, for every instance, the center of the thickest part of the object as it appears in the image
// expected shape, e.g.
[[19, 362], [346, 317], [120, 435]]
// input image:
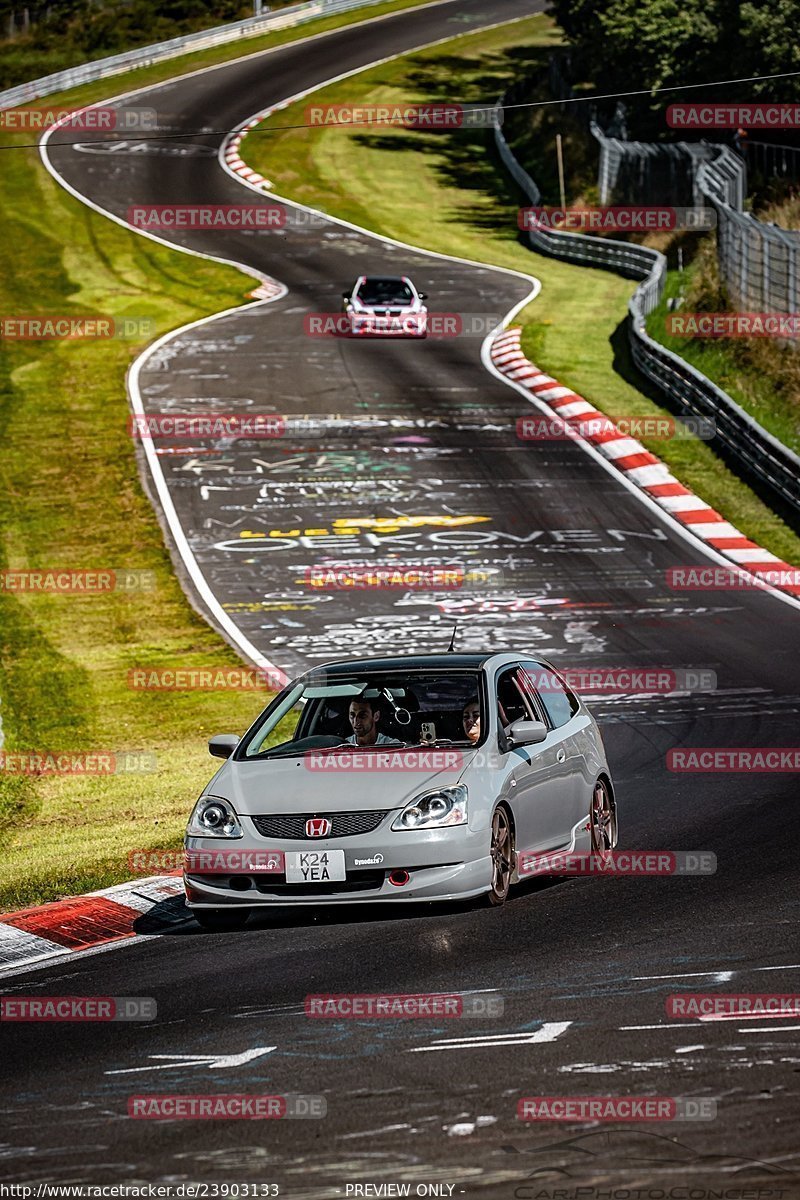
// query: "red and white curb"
[[270, 289], [84, 922], [639, 466], [235, 160]]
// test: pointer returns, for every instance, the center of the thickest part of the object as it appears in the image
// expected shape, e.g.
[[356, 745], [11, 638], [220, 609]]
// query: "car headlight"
[[213, 817], [433, 810]]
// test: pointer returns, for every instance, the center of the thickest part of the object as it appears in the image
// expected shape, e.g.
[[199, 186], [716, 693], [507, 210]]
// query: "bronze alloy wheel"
[[603, 819], [502, 854]]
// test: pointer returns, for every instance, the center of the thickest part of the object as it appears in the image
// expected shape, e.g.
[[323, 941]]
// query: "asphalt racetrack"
[[424, 467]]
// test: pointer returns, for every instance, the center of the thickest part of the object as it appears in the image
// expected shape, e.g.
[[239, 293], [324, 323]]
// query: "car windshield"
[[430, 708], [384, 291]]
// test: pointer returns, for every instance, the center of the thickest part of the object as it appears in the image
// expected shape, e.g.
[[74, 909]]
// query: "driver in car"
[[364, 722]]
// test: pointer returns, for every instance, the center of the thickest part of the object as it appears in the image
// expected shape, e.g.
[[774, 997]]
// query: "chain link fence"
[[759, 263], [648, 173], [773, 161]]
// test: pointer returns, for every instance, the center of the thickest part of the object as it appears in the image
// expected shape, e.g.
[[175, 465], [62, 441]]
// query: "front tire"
[[502, 855], [603, 819], [221, 920]]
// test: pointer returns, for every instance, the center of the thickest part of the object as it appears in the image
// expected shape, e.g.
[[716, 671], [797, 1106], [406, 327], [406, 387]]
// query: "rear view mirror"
[[526, 733], [222, 745]]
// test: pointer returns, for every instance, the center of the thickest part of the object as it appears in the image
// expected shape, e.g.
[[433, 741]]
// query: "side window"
[[558, 701], [287, 718], [511, 704]]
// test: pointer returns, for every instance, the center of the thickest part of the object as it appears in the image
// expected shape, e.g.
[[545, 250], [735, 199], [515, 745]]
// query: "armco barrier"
[[743, 438], [145, 56]]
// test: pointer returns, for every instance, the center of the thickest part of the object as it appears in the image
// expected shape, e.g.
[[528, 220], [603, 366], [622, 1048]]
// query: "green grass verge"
[[70, 497], [462, 203]]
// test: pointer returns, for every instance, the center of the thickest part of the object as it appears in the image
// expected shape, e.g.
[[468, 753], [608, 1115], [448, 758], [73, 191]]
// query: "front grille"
[[357, 881], [292, 826]]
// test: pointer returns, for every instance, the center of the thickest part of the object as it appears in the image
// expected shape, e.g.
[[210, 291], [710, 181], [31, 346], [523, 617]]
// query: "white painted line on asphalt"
[[673, 1028], [214, 1062], [704, 1023], [722, 976], [771, 1029], [719, 976], [465, 1128], [710, 1018], [548, 1033], [345, 1137]]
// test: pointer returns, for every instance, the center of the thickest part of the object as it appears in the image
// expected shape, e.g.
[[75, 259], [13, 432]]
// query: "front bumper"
[[401, 325], [443, 864]]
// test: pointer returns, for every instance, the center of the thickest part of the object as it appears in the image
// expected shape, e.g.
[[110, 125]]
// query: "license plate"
[[315, 866]]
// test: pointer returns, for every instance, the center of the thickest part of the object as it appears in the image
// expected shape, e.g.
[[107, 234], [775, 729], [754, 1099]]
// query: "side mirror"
[[222, 745], [345, 295], [422, 295], [526, 733]]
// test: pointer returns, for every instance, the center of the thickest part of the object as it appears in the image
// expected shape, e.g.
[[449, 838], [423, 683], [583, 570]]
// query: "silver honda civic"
[[433, 777]]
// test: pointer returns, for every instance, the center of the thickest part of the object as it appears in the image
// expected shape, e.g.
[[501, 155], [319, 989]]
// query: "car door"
[[537, 784], [562, 712]]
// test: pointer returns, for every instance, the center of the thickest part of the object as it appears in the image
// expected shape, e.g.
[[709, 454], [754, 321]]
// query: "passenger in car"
[[471, 720]]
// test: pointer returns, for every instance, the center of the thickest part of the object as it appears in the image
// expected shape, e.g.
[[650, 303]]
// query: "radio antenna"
[[452, 645]]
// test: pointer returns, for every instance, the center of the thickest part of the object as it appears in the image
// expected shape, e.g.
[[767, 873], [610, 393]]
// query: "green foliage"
[[69, 32], [628, 45]]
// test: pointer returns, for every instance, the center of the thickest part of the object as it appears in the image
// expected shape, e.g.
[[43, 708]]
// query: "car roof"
[[410, 662], [453, 660], [385, 278]]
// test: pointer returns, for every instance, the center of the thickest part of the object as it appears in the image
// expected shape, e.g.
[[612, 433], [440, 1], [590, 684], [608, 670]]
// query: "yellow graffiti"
[[344, 526], [392, 524]]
